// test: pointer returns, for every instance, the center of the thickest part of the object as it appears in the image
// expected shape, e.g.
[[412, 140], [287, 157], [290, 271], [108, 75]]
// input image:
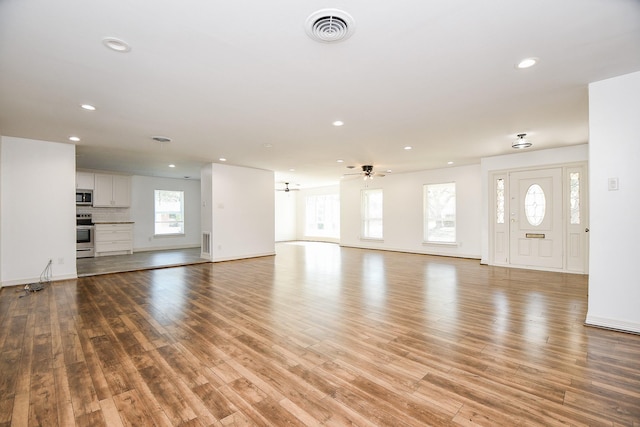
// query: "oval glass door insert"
[[535, 205]]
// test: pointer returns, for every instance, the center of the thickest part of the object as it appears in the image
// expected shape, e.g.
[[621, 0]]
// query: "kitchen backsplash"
[[106, 214]]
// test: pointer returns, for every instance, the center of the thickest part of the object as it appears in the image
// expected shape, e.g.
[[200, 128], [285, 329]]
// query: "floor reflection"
[[374, 281]]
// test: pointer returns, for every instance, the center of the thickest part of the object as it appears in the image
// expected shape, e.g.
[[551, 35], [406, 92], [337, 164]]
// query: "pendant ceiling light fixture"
[[521, 142]]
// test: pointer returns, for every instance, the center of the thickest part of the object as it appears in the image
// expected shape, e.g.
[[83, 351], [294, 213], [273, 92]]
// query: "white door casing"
[[554, 234]]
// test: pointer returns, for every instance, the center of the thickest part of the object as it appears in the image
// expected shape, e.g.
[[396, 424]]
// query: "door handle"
[[586, 230]]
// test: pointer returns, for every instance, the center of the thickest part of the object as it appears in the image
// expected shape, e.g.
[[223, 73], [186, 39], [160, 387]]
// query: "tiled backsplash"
[[106, 214]]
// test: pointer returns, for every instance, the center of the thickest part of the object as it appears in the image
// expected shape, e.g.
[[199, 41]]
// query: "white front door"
[[535, 218]]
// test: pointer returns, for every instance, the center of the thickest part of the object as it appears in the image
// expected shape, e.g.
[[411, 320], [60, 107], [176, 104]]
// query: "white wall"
[[521, 160], [239, 211], [142, 213], [285, 215], [614, 152], [403, 211], [38, 210]]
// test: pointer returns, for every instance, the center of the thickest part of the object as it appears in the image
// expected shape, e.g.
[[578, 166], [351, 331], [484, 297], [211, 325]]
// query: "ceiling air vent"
[[330, 25]]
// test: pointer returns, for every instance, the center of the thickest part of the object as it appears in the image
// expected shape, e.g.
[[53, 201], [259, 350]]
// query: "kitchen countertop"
[[112, 222]]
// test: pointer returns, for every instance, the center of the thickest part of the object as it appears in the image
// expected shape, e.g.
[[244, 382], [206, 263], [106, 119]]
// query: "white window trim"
[[362, 219], [424, 215], [178, 234]]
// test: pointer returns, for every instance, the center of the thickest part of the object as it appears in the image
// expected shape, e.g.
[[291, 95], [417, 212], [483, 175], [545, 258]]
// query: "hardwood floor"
[[317, 335]]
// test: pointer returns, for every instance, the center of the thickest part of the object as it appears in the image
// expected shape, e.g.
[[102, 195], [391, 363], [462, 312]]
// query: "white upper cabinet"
[[112, 191], [84, 181]]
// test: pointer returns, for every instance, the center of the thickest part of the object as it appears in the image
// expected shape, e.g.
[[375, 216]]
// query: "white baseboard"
[[165, 248], [237, 257], [619, 325], [409, 251], [26, 281]]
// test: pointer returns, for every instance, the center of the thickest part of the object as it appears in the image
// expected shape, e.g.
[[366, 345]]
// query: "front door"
[[535, 218]]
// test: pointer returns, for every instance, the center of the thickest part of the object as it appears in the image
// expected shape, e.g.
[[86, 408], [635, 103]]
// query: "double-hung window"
[[169, 212], [371, 213], [440, 213], [322, 215]]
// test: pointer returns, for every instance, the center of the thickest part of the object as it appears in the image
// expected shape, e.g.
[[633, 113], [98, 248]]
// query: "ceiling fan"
[[286, 188], [367, 172]]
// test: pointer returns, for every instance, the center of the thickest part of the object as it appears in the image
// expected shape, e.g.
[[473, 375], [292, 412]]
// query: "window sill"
[[155, 236], [450, 244], [371, 239]]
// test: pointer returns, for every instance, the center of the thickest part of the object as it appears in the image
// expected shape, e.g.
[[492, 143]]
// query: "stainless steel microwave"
[[84, 197]]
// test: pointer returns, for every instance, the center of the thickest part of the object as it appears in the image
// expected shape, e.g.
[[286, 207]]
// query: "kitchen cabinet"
[[112, 191], [113, 239], [84, 181]]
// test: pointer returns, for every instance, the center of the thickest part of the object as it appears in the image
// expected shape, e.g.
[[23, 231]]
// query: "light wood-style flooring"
[[316, 335]]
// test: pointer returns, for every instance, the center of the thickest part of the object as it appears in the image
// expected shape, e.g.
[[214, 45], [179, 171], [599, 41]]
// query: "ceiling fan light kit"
[[286, 188], [367, 172]]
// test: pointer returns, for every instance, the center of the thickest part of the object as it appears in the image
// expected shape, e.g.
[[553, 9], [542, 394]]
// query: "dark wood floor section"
[[317, 335]]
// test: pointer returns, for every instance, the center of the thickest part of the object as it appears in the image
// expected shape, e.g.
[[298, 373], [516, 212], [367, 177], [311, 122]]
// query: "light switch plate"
[[613, 184]]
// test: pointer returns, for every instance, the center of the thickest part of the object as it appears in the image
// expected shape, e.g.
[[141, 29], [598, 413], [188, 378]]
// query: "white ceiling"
[[224, 78]]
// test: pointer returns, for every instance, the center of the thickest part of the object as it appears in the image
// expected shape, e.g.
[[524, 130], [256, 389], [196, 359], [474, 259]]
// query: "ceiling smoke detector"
[[330, 25]]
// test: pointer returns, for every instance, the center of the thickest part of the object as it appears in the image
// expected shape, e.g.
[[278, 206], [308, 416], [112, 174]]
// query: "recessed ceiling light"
[[338, 123], [88, 107], [292, 170], [116, 44], [267, 145], [222, 159], [408, 147], [527, 63], [74, 139], [449, 163], [340, 161], [172, 166]]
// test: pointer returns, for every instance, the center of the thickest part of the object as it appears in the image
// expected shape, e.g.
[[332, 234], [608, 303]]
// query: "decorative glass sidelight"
[[574, 198], [500, 201], [535, 205]]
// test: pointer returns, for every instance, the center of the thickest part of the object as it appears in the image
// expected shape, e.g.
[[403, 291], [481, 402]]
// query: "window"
[[322, 215], [169, 212], [535, 205], [440, 213], [371, 214]]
